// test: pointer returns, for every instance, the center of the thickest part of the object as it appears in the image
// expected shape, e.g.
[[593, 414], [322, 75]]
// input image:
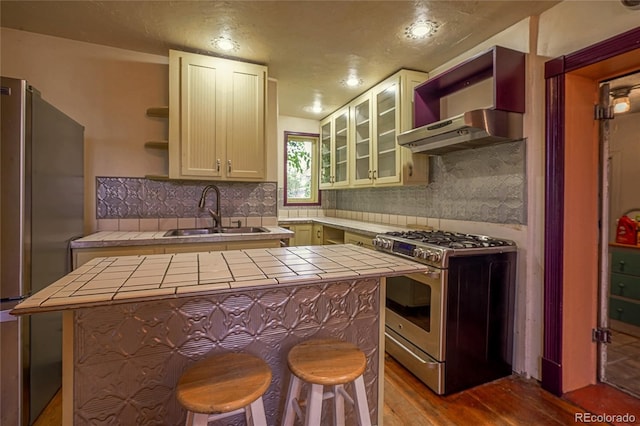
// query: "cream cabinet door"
[[386, 151], [334, 150], [362, 141], [216, 118], [326, 167], [245, 139], [316, 238]]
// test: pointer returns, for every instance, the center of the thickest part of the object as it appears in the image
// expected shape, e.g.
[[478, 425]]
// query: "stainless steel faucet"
[[217, 218]]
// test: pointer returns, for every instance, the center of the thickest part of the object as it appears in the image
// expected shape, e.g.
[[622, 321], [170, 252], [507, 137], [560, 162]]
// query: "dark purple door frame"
[[555, 71]]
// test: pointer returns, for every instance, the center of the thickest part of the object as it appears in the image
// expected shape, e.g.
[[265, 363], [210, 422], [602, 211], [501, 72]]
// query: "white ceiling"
[[309, 46]]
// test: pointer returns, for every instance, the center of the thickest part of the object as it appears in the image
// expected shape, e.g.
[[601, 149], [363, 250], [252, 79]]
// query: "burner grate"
[[453, 240]]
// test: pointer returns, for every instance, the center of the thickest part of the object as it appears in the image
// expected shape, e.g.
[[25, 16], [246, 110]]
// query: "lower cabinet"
[[332, 235], [302, 236], [316, 238], [624, 289], [83, 255], [358, 239]]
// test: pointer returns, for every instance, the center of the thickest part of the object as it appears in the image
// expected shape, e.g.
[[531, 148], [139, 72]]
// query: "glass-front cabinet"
[[362, 141], [387, 152], [334, 150], [376, 123], [325, 154], [359, 141]]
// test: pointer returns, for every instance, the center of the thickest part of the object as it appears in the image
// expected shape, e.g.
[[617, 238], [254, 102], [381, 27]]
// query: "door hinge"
[[601, 335], [603, 113]]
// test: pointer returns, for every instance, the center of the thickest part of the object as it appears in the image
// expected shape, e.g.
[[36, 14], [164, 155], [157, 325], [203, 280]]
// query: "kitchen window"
[[301, 169]]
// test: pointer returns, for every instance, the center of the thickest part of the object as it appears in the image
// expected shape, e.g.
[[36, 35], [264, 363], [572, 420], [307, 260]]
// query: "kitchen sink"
[[186, 232], [242, 230]]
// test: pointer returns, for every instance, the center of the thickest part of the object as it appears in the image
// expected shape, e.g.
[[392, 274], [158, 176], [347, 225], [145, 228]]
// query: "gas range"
[[436, 247]]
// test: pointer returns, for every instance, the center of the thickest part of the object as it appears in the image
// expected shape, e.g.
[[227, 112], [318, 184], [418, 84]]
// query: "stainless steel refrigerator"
[[41, 211]]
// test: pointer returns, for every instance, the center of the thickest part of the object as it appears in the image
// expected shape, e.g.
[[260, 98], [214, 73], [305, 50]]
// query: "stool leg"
[[292, 395], [197, 419], [362, 407], [314, 405], [254, 413], [338, 406]]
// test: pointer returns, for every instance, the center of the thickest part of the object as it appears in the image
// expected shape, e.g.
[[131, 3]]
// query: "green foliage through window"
[[301, 169]]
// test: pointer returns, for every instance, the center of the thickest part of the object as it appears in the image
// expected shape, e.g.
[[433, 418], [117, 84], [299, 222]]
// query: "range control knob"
[[436, 256], [418, 253], [381, 243]]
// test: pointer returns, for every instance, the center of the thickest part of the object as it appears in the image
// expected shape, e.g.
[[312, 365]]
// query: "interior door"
[[619, 293], [605, 161]]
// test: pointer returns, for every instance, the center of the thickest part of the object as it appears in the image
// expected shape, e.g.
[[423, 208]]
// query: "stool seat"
[[326, 361], [223, 383], [320, 363]]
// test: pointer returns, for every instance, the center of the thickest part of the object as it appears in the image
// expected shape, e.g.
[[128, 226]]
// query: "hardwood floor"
[[509, 401], [512, 400]]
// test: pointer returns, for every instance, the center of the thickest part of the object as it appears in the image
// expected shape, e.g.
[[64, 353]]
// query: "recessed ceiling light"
[[226, 44], [352, 81], [420, 29], [316, 108]]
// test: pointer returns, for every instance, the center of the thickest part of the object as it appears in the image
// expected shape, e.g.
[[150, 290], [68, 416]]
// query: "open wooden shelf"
[[157, 144], [162, 112]]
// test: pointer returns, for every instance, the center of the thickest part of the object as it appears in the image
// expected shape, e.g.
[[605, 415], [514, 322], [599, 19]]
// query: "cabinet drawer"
[[625, 262], [625, 286], [358, 239], [625, 311]]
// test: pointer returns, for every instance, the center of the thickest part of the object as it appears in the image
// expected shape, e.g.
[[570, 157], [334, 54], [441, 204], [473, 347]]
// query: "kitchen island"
[[133, 324]]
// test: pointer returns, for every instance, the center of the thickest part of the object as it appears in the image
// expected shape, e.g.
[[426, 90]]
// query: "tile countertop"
[[345, 224], [140, 238], [109, 280]]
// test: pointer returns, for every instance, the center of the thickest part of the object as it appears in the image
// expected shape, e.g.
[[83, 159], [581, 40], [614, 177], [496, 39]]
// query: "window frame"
[[314, 170]]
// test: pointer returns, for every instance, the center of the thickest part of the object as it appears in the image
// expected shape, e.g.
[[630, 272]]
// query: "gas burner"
[[435, 247], [452, 240]]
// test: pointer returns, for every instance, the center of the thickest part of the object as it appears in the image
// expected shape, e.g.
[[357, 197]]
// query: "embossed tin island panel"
[[128, 357]]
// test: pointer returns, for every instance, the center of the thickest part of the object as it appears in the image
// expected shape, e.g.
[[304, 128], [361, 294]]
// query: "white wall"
[[573, 25], [105, 89]]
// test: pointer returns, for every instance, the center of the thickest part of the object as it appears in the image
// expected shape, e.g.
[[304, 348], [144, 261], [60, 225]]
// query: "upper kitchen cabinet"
[[377, 117], [334, 150], [217, 118]]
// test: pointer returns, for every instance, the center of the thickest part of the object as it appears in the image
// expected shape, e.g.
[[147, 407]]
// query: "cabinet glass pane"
[[325, 153], [363, 140], [386, 104], [340, 153]]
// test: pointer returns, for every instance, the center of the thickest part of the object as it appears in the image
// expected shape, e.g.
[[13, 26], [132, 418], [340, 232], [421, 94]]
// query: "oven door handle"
[[428, 364]]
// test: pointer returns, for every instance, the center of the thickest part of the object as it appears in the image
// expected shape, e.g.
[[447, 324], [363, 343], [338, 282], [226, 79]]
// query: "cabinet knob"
[[218, 165], [374, 174], [621, 263], [229, 166], [369, 174], [621, 285]]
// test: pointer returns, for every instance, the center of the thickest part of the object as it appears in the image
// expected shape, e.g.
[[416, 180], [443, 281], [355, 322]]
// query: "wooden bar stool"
[[224, 385], [326, 362]]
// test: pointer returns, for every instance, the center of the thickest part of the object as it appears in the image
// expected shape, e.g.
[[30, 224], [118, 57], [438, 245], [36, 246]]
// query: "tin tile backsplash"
[[484, 185], [129, 198]]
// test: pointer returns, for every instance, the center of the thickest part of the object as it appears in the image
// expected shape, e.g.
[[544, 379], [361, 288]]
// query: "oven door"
[[415, 309]]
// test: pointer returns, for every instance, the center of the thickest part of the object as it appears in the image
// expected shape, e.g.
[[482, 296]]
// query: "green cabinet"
[[624, 285]]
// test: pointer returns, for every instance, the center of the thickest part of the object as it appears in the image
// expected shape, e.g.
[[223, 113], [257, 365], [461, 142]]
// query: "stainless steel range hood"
[[473, 129]]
